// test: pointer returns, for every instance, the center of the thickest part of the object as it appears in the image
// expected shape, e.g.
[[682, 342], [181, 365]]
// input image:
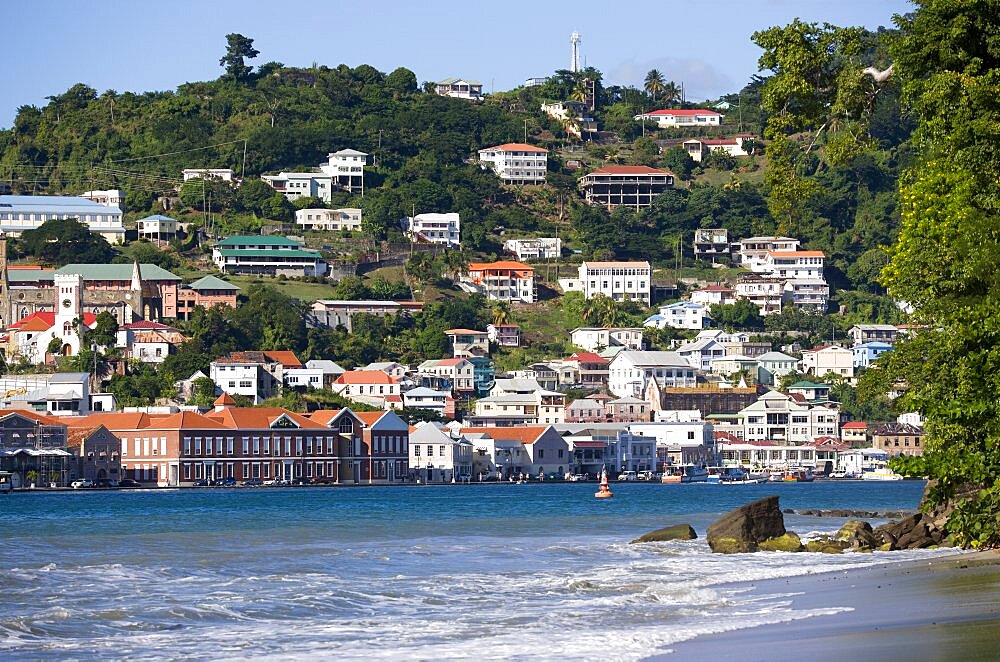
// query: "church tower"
[[139, 310], [69, 307]]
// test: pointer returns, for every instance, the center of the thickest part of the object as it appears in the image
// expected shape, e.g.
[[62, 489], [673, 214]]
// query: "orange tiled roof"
[[517, 147], [111, 420], [365, 377], [284, 357], [260, 418], [501, 264], [526, 434], [224, 399]]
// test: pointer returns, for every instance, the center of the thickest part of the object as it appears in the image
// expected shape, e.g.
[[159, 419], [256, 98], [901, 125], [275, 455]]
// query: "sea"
[[539, 571]]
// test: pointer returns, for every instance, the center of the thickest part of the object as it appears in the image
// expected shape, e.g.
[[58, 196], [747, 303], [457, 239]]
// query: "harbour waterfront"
[[542, 570]]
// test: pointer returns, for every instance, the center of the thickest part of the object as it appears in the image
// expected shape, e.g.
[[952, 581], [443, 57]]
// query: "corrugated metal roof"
[[212, 283], [62, 204], [117, 271], [265, 252], [255, 240]]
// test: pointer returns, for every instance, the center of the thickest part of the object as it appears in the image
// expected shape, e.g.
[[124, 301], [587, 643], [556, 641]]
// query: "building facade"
[[631, 186], [271, 255], [329, 220], [516, 163]]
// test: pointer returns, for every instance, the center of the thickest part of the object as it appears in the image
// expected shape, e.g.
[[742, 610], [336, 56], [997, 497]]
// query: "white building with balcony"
[[295, 185], [434, 228], [27, 212], [459, 88], [595, 339], [671, 118], [222, 174], [330, 220], [630, 371], [828, 359], [620, 281], [111, 197], [754, 250], [779, 417], [516, 163], [791, 265], [266, 255], [680, 315], [540, 248], [347, 168], [502, 281]]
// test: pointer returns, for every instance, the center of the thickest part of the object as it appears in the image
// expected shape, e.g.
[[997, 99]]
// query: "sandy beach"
[[947, 608]]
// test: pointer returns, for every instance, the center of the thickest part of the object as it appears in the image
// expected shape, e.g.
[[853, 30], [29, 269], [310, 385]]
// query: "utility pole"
[[378, 152], [526, 131], [243, 173]]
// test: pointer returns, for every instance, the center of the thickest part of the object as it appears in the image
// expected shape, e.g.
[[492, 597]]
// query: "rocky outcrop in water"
[[675, 532], [743, 529], [854, 514]]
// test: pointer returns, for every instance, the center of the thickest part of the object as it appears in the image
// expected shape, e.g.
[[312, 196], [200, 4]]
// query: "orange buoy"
[[604, 492]]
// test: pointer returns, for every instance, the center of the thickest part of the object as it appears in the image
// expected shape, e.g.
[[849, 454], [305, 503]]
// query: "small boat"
[[604, 491], [687, 473], [670, 477], [881, 473]]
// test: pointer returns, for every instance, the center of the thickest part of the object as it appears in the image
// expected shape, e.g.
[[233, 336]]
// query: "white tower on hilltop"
[[574, 51]]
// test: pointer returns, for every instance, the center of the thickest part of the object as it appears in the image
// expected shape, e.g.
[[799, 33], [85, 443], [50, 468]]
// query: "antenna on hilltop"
[[574, 51]]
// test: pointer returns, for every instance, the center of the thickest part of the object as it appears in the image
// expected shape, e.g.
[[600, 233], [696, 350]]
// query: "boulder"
[[675, 532], [858, 535], [743, 529], [789, 542], [825, 546]]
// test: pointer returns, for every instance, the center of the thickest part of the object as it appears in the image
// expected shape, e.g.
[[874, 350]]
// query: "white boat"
[[881, 473]]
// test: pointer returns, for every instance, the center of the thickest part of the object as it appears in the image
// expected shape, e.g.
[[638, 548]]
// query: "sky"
[[142, 45]]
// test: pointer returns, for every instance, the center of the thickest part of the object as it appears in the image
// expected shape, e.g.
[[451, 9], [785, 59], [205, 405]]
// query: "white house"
[[438, 457], [594, 339], [828, 359], [809, 293], [539, 248], [457, 374], [700, 352], [777, 364], [245, 373], [27, 212], [502, 281], [430, 399], [681, 118], [779, 417], [519, 402], [304, 378], [223, 174], [864, 333], [111, 197], [680, 442], [753, 250], [791, 265], [510, 451], [434, 228], [630, 371], [348, 218], [699, 148], [156, 227], [713, 295], [391, 368], [295, 185], [680, 315], [371, 387], [766, 292], [459, 88], [347, 168], [620, 281], [731, 364], [255, 254], [516, 163]]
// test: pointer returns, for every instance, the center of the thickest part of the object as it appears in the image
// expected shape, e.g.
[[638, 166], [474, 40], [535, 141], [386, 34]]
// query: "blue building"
[[866, 353]]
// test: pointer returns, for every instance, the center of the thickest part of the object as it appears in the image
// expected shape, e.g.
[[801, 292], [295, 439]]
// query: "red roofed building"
[[370, 387], [468, 343], [855, 434], [242, 444], [30, 337], [632, 186], [379, 451], [255, 375], [670, 118], [516, 163], [505, 280], [509, 451], [587, 369]]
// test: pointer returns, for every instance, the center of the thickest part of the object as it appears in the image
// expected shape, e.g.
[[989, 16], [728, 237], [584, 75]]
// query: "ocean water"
[[541, 571]]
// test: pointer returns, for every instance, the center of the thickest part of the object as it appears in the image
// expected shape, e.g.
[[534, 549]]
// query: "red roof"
[[448, 362], [501, 264], [630, 170], [714, 141], [285, 358], [586, 357], [224, 399], [259, 418], [517, 147], [464, 332], [365, 377], [854, 425], [147, 325], [526, 434], [43, 321], [683, 112]]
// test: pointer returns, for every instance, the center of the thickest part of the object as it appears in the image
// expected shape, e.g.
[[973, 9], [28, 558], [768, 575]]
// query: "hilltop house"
[[828, 359], [459, 88], [502, 281], [631, 186], [271, 255], [699, 148], [444, 229], [620, 281], [680, 315], [537, 248], [672, 118], [329, 220], [516, 163], [594, 339]]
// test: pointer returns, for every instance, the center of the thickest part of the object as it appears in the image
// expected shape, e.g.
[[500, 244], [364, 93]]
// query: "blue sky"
[[140, 45]]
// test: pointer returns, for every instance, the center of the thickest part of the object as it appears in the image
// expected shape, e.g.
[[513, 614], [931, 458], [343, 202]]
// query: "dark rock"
[[858, 535], [743, 529], [824, 546], [675, 532]]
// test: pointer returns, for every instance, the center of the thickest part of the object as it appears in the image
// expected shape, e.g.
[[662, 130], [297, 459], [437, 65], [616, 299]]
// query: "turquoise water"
[[540, 571]]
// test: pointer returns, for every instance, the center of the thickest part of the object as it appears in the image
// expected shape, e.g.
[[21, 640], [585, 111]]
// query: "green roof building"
[[267, 255]]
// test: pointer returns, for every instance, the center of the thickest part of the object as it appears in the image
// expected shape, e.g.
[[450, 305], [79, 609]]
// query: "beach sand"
[[946, 608]]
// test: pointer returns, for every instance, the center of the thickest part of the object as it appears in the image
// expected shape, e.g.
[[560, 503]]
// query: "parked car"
[[644, 475], [321, 480], [128, 482], [202, 483], [82, 482], [253, 482], [627, 475], [107, 482], [224, 482]]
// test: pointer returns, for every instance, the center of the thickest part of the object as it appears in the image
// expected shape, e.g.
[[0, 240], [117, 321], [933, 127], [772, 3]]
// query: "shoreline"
[[942, 608]]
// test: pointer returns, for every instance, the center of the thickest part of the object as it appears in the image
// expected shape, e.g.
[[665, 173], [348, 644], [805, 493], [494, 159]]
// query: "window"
[[197, 445], [541, 453], [416, 450], [346, 426], [430, 450]]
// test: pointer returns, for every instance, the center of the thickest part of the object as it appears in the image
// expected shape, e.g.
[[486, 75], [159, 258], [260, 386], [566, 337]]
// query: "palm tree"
[[500, 313], [455, 262], [671, 92], [654, 83]]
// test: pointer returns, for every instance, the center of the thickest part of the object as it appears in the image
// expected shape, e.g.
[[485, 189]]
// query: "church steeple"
[[136, 276]]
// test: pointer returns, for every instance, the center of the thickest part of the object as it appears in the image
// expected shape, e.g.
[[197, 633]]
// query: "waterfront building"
[[854, 434], [509, 451], [630, 372], [779, 417], [899, 439], [378, 451], [438, 457]]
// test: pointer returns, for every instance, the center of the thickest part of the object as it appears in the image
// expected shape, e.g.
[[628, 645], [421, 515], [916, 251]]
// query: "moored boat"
[[881, 473]]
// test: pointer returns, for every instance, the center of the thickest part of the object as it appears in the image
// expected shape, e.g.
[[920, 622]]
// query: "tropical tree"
[[238, 50], [500, 313], [671, 93], [654, 84]]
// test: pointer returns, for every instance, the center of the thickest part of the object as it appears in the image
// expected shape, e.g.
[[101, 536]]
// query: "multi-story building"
[[516, 163], [809, 293], [266, 255], [899, 439], [712, 243], [791, 265], [347, 170], [438, 457], [370, 387], [674, 118], [156, 228], [505, 335], [828, 359], [866, 353], [329, 220], [111, 198], [595, 339], [766, 292], [206, 292], [714, 295], [772, 366], [508, 452], [754, 250], [854, 434], [502, 281], [631, 186], [680, 315], [27, 212], [468, 343], [439, 402], [459, 88], [585, 369], [295, 185], [539, 248], [865, 333], [779, 417], [254, 375], [702, 350], [573, 117], [376, 448], [620, 281], [631, 371], [456, 375], [333, 312], [434, 228], [519, 402]]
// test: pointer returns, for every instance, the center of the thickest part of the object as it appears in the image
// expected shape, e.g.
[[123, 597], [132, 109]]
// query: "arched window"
[[24, 312], [67, 328], [346, 426]]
